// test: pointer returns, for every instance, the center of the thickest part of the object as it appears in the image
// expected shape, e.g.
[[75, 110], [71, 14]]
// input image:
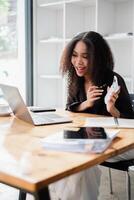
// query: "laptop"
[[20, 110]]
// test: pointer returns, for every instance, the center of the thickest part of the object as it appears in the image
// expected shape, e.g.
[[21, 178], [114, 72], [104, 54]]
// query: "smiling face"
[[80, 59]]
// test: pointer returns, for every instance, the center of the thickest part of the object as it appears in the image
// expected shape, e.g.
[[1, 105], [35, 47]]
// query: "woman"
[[87, 60]]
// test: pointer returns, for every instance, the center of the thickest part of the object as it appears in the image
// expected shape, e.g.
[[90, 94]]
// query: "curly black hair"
[[99, 54]]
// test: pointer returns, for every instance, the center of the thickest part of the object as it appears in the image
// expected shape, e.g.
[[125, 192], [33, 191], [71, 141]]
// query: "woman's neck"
[[87, 79], [87, 83]]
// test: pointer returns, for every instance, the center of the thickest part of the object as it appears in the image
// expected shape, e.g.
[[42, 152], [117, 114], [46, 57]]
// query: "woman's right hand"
[[93, 93]]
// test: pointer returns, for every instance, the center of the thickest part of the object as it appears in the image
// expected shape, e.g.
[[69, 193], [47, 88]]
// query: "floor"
[[119, 180]]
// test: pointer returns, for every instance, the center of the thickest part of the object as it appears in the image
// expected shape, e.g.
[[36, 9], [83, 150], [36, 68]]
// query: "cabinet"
[[57, 21]]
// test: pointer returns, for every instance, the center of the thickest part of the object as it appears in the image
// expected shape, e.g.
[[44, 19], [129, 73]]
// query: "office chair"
[[124, 165], [132, 100]]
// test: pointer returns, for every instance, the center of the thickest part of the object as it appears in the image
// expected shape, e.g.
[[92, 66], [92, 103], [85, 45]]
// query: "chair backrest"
[[122, 165], [132, 99]]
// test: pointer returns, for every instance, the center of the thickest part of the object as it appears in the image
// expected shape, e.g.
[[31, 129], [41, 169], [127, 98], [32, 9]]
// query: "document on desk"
[[111, 122], [73, 141]]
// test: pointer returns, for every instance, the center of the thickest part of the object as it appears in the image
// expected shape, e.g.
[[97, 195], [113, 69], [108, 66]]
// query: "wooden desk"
[[18, 137]]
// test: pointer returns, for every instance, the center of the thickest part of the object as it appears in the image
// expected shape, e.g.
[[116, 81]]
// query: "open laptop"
[[18, 107]]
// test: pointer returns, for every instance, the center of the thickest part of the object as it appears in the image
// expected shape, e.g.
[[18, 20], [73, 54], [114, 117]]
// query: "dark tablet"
[[86, 133]]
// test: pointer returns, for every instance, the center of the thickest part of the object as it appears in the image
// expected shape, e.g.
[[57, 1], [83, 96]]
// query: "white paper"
[[58, 143], [126, 123], [109, 122], [100, 122]]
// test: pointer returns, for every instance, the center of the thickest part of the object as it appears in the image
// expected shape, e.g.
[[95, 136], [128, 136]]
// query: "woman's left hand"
[[111, 103]]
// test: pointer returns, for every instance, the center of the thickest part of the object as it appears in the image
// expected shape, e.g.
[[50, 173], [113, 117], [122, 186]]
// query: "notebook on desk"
[[111, 122], [20, 110]]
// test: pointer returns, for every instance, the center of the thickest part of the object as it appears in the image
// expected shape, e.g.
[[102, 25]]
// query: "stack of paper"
[[58, 143]]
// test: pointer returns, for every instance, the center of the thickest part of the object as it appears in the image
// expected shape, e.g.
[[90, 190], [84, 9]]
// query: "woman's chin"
[[80, 74]]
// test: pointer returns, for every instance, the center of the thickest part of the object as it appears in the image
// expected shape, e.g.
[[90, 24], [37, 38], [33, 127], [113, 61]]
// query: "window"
[[12, 43]]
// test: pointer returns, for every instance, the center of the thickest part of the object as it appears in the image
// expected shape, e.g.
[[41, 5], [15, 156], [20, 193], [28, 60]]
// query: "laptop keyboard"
[[45, 118], [41, 119], [51, 115]]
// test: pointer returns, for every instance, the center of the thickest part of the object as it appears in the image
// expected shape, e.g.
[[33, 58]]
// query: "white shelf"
[[79, 18], [57, 21], [117, 16], [118, 1], [83, 3], [67, 40], [79, 2], [57, 4], [119, 37], [50, 21], [52, 40], [51, 76]]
